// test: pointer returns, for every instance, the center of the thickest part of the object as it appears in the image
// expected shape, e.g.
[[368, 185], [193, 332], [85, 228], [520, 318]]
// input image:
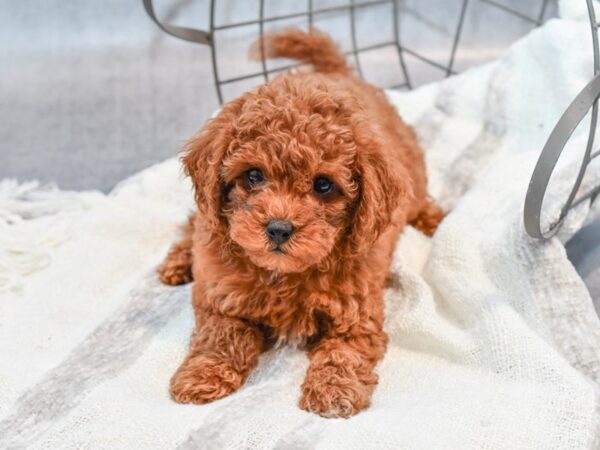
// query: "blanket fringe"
[[34, 218]]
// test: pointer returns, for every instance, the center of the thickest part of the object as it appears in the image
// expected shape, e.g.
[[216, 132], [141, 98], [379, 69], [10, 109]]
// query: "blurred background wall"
[[92, 91]]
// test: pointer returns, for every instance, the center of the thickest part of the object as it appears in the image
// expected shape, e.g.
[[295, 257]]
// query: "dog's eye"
[[254, 177], [323, 185]]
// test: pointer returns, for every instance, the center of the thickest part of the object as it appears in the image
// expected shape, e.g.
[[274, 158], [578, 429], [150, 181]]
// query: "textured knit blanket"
[[494, 342]]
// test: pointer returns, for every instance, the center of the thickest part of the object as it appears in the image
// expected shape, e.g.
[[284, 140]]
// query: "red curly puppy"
[[302, 187]]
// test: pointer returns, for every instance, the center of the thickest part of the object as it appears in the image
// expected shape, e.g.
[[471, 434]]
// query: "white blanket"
[[494, 342]]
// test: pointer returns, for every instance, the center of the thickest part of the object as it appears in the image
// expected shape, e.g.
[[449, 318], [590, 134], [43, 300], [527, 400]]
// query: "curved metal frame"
[[187, 34], [574, 114]]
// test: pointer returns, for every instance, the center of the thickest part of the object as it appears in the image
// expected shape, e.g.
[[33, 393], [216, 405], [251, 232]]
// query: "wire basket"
[[415, 63]]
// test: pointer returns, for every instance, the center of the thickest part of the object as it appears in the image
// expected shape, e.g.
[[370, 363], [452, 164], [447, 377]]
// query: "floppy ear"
[[383, 187], [203, 158]]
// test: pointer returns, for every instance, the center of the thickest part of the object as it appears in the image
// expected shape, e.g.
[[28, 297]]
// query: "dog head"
[[294, 173]]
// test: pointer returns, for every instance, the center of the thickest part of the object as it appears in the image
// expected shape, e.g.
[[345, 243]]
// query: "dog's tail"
[[312, 47]]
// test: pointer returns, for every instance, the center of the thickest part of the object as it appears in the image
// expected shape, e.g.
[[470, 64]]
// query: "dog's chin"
[[279, 261]]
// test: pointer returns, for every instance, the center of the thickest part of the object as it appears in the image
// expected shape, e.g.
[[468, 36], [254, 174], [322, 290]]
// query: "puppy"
[[302, 188]]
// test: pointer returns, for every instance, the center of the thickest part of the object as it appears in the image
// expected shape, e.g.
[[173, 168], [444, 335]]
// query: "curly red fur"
[[325, 288]]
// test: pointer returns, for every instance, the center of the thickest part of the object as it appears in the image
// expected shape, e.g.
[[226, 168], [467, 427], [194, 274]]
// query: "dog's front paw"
[[331, 392], [172, 273], [177, 266], [202, 381]]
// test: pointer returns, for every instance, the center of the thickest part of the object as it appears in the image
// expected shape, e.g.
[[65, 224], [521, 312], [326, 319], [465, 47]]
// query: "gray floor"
[[91, 91]]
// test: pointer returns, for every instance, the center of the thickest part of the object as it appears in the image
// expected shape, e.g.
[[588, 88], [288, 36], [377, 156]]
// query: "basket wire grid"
[[585, 102], [352, 7]]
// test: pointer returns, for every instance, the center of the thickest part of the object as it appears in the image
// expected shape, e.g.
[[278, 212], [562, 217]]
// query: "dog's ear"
[[383, 187], [203, 159]]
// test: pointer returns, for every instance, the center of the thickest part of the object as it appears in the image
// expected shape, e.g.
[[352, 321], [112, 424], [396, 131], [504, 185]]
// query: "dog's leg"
[[428, 218], [177, 266], [222, 353], [340, 379]]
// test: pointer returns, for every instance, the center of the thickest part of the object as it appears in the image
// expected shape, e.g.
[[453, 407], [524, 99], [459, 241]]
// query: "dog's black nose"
[[279, 231]]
